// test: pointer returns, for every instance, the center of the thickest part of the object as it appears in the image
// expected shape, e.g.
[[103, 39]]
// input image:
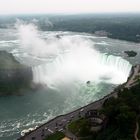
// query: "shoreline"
[[36, 133]]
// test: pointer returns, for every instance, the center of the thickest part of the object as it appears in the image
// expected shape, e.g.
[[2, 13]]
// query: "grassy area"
[[55, 136], [80, 127]]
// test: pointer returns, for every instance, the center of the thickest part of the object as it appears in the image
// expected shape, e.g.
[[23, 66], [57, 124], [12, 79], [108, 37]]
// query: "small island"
[[130, 53], [13, 75]]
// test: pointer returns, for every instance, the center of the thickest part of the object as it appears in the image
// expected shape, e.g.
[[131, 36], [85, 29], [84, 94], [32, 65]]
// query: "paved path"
[[59, 123], [136, 131]]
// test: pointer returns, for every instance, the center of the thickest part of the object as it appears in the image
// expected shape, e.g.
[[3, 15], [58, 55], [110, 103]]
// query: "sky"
[[67, 6]]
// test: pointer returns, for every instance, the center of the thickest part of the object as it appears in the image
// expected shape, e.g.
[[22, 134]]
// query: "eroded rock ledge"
[[13, 76]]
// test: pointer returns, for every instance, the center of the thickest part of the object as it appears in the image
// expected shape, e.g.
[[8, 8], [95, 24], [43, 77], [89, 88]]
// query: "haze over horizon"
[[67, 6]]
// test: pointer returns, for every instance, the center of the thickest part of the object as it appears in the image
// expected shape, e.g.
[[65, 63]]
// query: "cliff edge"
[[13, 75]]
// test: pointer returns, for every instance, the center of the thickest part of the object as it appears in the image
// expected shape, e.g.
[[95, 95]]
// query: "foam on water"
[[12, 127]]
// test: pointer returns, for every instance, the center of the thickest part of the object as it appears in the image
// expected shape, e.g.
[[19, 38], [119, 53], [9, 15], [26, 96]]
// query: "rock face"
[[13, 75], [130, 53]]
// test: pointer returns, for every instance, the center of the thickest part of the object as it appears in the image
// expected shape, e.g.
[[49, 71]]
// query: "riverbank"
[[59, 123]]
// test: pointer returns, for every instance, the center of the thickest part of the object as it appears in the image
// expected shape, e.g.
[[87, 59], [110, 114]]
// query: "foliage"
[[119, 26], [122, 113], [124, 27], [55, 136], [80, 127]]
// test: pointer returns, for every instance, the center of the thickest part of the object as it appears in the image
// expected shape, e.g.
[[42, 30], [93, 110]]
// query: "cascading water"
[[117, 67], [68, 60], [69, 73], [102, 68]]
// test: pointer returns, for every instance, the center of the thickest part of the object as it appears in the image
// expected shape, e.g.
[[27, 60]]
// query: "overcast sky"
[[68, 6]]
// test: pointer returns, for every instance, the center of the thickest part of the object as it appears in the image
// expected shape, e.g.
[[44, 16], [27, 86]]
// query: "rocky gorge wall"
[[13, 75]]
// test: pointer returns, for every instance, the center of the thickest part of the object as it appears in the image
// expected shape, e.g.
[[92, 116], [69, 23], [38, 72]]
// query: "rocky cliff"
[[13, 75]]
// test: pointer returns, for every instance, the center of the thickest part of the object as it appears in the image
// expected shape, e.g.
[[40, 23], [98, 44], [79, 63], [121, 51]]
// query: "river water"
[[74, 69]]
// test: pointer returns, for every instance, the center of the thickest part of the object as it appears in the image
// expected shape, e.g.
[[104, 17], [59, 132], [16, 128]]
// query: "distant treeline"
[[119, 26], [125, 27]]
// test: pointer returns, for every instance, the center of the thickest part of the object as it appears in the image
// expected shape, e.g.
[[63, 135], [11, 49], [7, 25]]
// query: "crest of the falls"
[[77, 66], [117, 68]]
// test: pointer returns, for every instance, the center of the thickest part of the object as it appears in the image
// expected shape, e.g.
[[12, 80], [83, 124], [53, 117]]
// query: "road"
[[59, 123]]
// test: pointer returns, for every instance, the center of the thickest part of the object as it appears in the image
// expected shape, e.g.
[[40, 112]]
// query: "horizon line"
[[78, 13]]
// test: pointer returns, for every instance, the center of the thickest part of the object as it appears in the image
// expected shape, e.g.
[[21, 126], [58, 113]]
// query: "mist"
[[70, 59]]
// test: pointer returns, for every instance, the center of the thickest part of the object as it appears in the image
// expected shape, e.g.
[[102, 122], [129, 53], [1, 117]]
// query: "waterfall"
[[117, 65], [95, 67], [70, 59]]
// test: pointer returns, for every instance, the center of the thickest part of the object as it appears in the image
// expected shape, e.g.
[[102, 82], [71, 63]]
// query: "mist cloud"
[[70, 58]]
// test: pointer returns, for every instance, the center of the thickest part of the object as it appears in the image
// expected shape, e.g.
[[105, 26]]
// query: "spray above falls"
[[67, 58]]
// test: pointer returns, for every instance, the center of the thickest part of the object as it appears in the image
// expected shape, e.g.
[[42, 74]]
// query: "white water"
[[70, 59], [71, 67]]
